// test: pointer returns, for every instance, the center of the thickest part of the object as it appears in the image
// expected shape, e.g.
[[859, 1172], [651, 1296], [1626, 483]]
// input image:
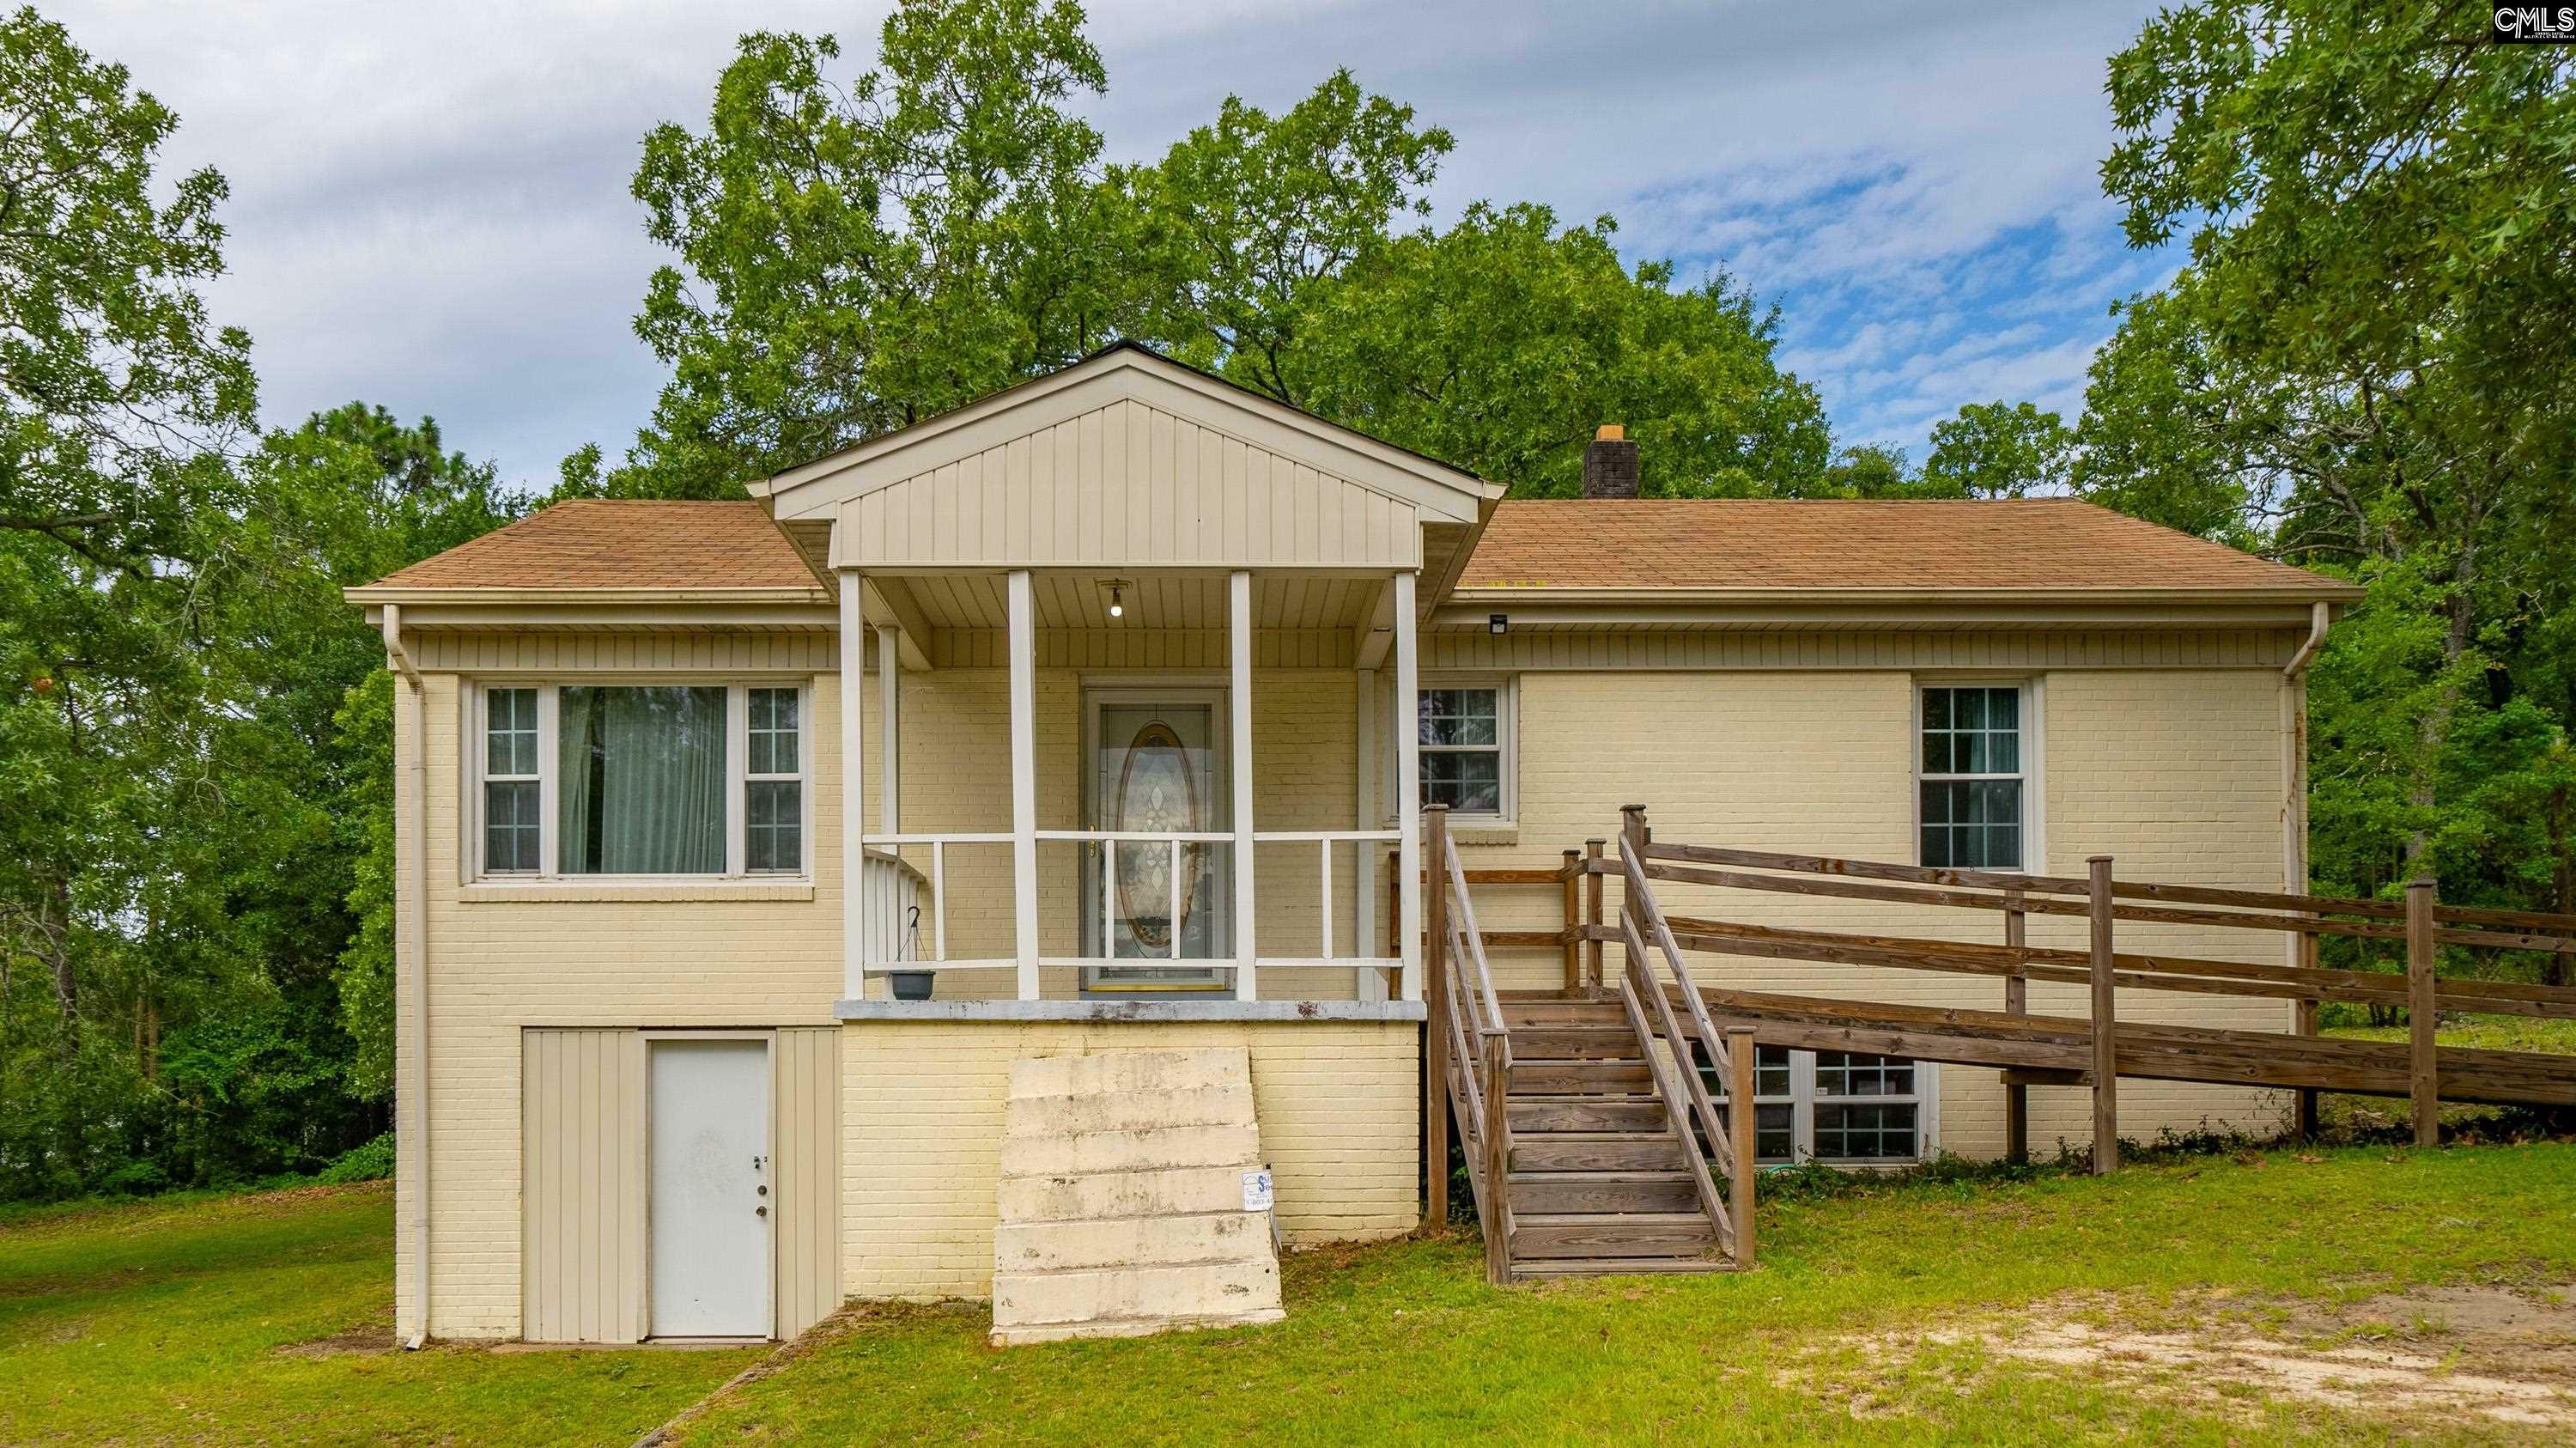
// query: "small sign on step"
[[1256, 1190]]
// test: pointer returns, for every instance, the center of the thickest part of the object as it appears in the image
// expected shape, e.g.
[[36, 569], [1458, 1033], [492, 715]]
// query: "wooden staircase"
[[1588, 1144], [1596, 1182]]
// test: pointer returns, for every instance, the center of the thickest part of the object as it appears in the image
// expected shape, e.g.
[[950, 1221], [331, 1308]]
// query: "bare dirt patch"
[[372, 1338], [2491, 1354]]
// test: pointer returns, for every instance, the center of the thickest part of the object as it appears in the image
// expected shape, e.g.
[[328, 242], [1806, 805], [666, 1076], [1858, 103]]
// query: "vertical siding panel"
[[1207, 497], [1162, 439], [582, 1198], [532, 1199], [1039, 484]]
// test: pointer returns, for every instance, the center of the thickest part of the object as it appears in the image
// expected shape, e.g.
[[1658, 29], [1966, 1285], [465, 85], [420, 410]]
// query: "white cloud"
[[430, 203]]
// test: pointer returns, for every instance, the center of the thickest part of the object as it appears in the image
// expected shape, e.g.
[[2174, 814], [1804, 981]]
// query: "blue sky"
[[430, 204]]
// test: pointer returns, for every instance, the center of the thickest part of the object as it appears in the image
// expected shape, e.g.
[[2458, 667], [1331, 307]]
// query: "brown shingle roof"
[[2022, 543], [2029, 543], [622, 543]]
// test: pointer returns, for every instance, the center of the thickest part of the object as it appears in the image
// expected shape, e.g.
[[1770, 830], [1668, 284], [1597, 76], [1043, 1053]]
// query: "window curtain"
[[643, 781]]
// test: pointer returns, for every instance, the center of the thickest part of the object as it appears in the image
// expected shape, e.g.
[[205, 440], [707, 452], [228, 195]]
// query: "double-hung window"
[[1837, 1107], [513, 787], [642, 779], [773, 783], [1465, 736], [1972, 789]]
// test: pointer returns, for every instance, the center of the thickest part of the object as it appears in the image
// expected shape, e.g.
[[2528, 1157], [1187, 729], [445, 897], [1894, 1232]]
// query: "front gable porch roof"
[[1128, 460]]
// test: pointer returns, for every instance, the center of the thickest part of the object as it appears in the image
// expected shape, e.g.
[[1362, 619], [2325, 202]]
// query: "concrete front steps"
[[1121, 1198]]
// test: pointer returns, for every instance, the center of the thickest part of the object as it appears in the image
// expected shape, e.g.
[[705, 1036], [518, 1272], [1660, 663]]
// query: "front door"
[[711, 1207], [1157, 767]]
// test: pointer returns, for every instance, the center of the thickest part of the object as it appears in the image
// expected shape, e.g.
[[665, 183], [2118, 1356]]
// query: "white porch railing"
[[906, 952], [894, 890], [899, 942]]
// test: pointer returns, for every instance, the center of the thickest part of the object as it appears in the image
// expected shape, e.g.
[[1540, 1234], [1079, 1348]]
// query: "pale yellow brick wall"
[[2175, 773], [498, 965], [922, 1134]]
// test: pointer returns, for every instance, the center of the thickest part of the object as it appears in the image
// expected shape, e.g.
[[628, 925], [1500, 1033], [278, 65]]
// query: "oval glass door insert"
[[1157, 794]]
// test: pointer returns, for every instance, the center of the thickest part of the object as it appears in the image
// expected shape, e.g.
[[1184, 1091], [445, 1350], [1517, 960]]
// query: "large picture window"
[[642, 779], [1465, 735], [1971, 788], [642, 776]]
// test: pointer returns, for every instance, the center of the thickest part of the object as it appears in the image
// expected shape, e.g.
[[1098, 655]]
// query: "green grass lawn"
[[178, 1321]]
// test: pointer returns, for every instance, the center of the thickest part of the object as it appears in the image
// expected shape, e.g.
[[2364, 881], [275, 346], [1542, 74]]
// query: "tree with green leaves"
[[2362, 370], [851, 259], [1999, 450]]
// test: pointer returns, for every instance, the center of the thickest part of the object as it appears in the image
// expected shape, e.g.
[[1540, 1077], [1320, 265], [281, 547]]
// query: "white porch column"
[[1238, 637], [854, 894], [1405, 716], [1364, 936], [1024, 781], [889, 735]]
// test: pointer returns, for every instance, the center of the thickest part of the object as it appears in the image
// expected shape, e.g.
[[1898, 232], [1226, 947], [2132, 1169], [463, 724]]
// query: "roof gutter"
[[411, 967], [2318, 619], [2294, 787], [1543, 595], [374, 594]]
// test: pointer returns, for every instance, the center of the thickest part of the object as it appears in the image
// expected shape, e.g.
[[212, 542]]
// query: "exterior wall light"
[[1498, 623]]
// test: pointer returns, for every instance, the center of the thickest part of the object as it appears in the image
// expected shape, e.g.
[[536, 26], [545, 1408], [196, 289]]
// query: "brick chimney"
[[1610, 464]]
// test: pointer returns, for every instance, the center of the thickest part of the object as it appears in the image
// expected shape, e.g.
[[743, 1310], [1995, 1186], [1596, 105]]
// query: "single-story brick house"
[[1115, 693]]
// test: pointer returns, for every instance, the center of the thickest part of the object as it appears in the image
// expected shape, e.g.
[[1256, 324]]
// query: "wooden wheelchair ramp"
[[1595, 1118], [2057, 1051]]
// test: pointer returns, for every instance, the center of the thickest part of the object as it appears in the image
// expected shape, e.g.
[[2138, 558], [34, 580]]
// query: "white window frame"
[[1803, 1099], [737, 758], [738, 788], [1506, 746], [2032, 706], [481, 749]]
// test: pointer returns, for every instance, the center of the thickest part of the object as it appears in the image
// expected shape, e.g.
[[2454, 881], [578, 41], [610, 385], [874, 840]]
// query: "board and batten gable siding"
[[1127, 485]]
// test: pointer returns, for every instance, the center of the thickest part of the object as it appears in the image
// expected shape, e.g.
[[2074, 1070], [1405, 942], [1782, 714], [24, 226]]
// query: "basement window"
[[1840, 1108], [640, 781]]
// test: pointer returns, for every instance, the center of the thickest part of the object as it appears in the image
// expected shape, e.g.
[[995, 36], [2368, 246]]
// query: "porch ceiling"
[[1152, 601]]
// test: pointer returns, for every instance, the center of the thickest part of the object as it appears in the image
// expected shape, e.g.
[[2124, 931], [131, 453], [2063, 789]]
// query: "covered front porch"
[[1137, 795], [1129, 676]]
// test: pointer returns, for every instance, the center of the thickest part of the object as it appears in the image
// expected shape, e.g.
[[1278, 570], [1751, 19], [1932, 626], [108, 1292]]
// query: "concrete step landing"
[[1122, 1198]]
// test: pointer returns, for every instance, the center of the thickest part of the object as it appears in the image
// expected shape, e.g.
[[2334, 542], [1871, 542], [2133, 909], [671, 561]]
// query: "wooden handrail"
[[1685, 1103], [2535, 930], [1639, 899], [1465, 922], [2185, 974], [1496, 1139]]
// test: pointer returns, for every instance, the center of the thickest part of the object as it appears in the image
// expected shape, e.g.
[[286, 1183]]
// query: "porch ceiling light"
[[1116, 588]]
